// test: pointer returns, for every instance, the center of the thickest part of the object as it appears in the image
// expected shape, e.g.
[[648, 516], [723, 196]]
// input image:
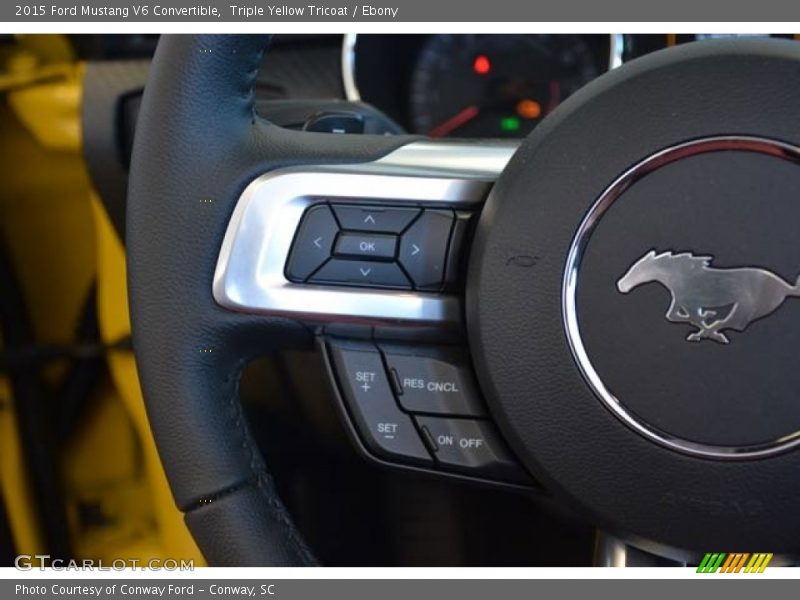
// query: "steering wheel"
[[606, 315]]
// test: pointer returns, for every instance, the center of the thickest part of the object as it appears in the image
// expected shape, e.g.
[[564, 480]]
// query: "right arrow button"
[[423, 248]]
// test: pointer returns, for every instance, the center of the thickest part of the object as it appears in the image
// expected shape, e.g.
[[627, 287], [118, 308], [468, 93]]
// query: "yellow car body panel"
[[60, 242]]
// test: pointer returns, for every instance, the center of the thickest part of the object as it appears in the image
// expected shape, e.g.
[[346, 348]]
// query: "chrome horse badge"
[[709, 298]]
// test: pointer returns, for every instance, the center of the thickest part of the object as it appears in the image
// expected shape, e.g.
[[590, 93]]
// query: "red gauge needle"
[[455, 121]]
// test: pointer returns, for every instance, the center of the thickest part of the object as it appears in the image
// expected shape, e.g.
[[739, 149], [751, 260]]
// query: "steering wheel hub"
[[692, 219], [632, 297]]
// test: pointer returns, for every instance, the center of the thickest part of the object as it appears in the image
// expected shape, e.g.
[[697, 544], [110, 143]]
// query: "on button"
[[471, 446]]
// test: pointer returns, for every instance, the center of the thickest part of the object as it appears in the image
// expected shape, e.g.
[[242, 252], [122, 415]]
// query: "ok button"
[[365, 245]]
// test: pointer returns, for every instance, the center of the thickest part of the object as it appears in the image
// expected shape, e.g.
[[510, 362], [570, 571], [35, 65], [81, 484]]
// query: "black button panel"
[[421, 406], [343, 244]]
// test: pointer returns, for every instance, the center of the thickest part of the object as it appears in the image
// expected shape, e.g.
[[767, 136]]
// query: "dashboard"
[[487, 85], [437, 85]]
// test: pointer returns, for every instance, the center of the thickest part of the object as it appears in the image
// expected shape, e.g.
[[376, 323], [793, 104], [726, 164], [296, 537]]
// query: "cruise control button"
[[375, 246], [470, 446], [313, 242], [433, 380], [386, 430], [423, 248], [374, 218], [361, 273]]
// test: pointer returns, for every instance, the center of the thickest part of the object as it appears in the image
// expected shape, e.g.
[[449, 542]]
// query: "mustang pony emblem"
[[709, 298]]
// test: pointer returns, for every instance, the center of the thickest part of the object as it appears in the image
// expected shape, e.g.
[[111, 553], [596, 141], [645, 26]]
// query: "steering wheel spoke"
[[377, 251], [376, 243]]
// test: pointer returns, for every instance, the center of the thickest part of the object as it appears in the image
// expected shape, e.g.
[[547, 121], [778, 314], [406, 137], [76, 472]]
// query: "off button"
[[471, 446]]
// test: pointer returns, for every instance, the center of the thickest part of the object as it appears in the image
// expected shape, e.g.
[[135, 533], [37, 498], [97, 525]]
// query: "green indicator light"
[[509, 123]]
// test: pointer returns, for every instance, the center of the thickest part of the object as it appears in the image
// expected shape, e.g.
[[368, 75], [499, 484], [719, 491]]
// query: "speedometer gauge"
[[496, 85]]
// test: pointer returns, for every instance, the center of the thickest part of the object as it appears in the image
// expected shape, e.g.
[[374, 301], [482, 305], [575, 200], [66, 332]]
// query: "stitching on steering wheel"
[[260, 477]]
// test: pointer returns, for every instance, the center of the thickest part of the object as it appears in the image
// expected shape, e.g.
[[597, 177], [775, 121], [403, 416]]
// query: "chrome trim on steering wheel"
[[249, 276]]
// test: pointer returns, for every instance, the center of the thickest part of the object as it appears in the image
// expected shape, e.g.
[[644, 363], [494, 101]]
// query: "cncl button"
[[434, 380]]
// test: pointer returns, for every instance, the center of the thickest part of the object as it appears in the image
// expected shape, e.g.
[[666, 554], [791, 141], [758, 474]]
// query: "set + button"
[[386, 430]]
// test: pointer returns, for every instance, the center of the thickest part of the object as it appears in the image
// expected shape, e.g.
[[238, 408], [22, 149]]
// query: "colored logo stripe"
[[711, 562], [758, 563], [734, 563]]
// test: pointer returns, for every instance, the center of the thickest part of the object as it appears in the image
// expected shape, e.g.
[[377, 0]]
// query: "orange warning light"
[[529, 109]]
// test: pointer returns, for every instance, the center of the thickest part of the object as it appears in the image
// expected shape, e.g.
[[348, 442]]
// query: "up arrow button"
[[383, 219]]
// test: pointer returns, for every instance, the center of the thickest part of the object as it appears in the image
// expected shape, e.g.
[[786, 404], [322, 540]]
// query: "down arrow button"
[[423, 248]]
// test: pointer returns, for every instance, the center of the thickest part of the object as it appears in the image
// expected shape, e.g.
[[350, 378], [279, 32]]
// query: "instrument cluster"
[[483, 85]]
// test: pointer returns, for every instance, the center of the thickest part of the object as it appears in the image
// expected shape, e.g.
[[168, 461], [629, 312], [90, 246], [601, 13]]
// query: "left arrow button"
[[313, 243]]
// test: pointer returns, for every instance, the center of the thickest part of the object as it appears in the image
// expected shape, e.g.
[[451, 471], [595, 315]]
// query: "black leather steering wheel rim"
[[198, 144]]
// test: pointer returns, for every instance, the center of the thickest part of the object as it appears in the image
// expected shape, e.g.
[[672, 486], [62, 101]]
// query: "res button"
[[433, 380]]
